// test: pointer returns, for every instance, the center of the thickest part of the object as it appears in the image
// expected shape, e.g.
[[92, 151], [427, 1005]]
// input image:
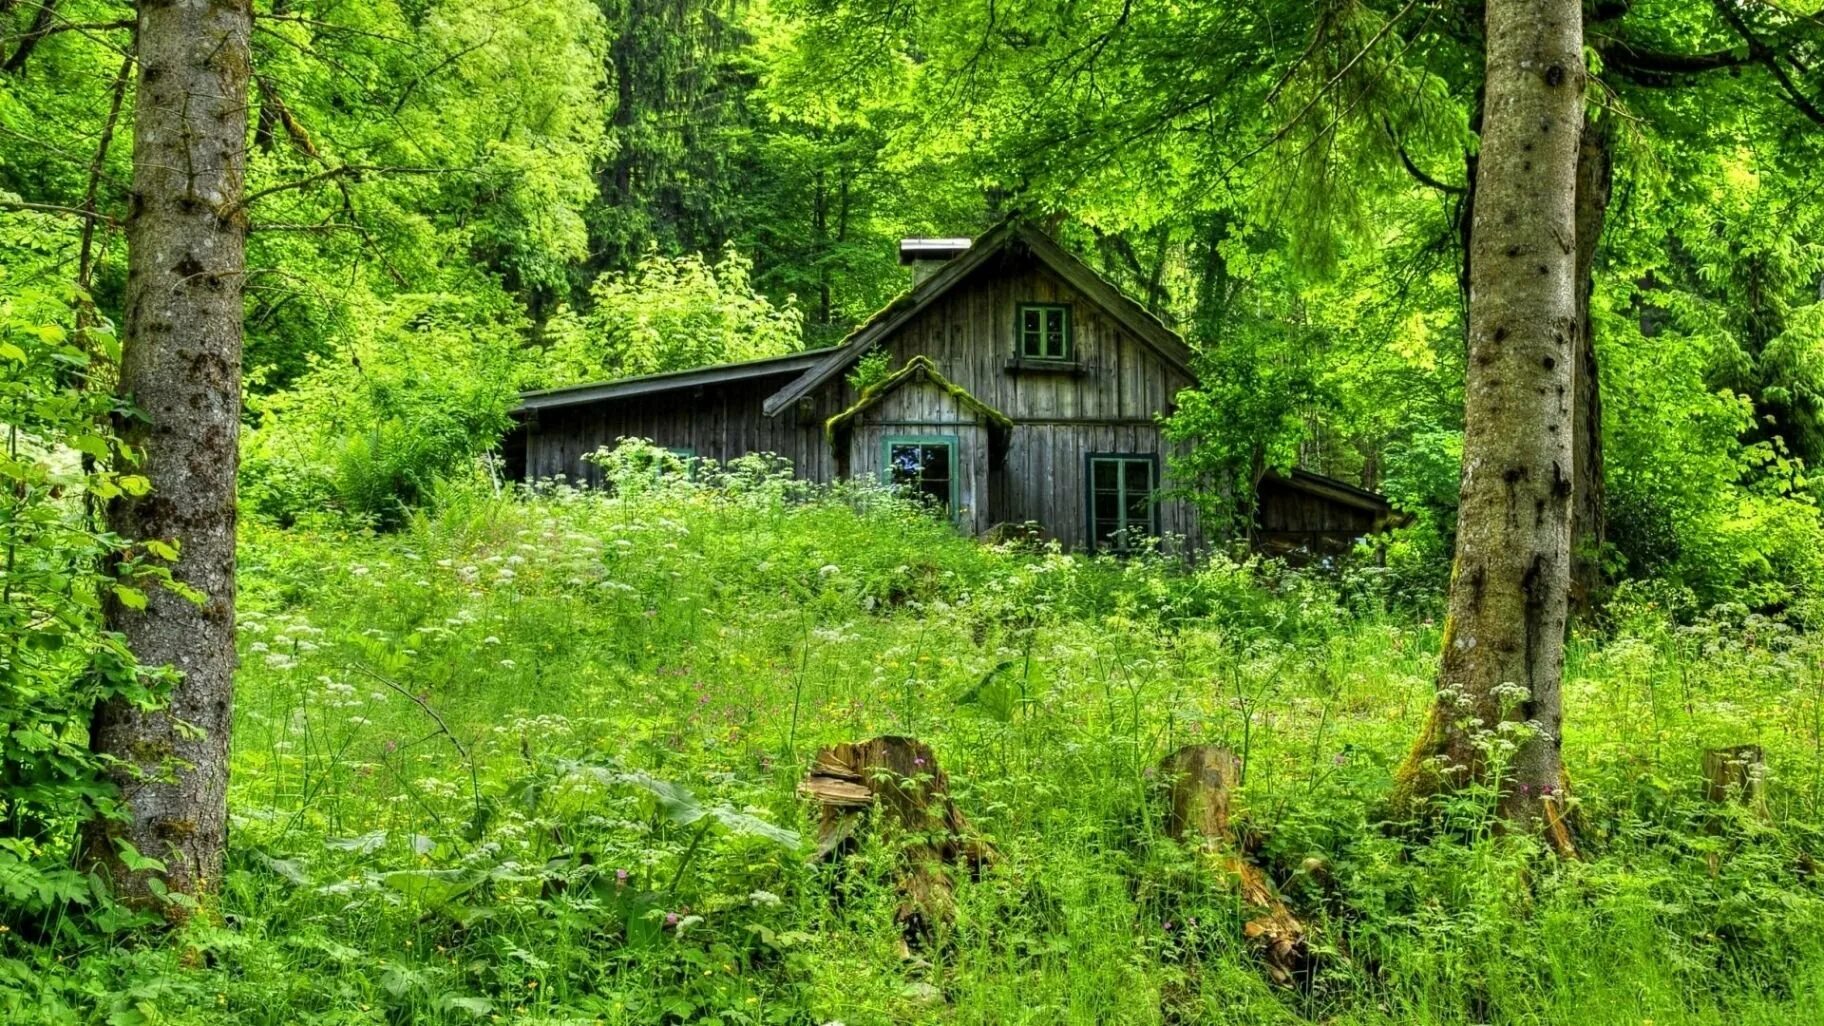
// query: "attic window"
[[1044, 331]]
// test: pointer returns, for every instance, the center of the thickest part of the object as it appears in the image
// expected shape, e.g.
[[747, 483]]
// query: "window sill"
[[1027, 365]]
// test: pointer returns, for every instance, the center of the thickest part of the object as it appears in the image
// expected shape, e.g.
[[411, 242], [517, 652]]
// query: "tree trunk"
[[181, 367], [1503, 658], [1589, 524]]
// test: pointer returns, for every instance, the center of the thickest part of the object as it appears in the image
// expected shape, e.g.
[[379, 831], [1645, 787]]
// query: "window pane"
[[936, 461], [1107, 474], [1139, 475], [1031, 319], [1107, 531], [923, 468], [904, 462], [1108, 507]]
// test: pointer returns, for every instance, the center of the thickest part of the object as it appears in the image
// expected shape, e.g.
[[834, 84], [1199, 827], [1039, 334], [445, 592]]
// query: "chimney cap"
[[913, 250]]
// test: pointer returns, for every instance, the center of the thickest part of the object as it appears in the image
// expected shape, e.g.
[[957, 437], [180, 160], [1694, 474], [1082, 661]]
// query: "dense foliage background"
[[453, 201]]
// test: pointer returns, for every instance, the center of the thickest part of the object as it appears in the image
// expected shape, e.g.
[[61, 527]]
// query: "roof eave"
[[627, 388]]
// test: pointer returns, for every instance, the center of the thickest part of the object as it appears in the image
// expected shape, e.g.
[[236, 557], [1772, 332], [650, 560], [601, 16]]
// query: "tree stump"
[[894, 784], [1736, 776], [1201, 779]]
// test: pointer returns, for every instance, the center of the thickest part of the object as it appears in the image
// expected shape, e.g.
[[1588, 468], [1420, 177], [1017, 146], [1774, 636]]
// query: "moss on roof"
[[918, 366]]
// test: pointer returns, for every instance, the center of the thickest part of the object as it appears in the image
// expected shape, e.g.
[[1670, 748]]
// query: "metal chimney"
[[925, 256]]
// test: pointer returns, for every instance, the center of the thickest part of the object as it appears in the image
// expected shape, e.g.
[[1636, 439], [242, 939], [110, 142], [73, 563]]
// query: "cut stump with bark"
[[1202, 778], [1736, 776], [893, 785]]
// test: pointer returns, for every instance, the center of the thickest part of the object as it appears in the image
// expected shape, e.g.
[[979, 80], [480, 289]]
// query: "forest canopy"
[[463, 200]]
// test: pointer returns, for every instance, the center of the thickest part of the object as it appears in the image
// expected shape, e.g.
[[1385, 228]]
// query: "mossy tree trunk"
[[181, 367], [1503, 658]]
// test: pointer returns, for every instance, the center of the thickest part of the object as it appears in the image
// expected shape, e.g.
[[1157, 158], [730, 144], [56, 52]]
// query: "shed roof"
[[693, 377], [1131, 315], [1332, 489]]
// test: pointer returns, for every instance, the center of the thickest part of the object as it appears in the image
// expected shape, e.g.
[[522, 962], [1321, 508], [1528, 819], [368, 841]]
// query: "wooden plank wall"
[[1290, 519], [718, 422], [1108, 405], [922, 408]]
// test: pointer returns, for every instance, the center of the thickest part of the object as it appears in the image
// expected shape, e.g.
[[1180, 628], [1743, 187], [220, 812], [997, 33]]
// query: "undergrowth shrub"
[[58, 463], [534, 756]]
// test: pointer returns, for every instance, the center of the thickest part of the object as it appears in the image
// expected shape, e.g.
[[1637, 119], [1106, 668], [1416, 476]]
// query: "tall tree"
[[181, 369], [1499, 679]]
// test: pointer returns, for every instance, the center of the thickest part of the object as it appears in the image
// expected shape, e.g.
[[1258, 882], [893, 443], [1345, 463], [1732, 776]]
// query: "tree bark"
[[896, 782], [1589, 523], [181, 367], [1503, 658]]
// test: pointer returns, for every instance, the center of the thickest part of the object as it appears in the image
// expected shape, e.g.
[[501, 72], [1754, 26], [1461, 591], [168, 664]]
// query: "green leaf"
[[433, 886], [130, 597], [475, 1006], [92, 445]]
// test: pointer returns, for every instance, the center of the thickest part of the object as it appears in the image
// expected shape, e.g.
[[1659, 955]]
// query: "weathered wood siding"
[[1108, 404], [1291, 519], [718, 422], [920, 408]]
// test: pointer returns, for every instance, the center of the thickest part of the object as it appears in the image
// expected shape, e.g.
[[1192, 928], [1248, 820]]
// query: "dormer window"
[[1044, 332]]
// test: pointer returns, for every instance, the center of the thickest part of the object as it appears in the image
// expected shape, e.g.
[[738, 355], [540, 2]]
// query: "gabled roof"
[[1129, 314], [694, 377], [919, 368]]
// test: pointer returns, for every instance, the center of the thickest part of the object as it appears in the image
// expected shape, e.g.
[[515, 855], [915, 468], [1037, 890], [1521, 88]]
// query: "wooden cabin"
[[1021, 388]]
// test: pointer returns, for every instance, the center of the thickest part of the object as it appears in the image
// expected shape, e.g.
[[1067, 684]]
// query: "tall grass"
[[458, 749]]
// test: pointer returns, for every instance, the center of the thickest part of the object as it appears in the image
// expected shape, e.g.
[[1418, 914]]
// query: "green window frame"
[[1042, 331], [686, 455], [904, 460], [1120, 498]]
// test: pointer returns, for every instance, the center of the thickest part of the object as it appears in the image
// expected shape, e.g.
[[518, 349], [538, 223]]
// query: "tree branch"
[[63, 211], [353, 172], [1769, 59], [85, 264], [1657, 69], [1417, 172]]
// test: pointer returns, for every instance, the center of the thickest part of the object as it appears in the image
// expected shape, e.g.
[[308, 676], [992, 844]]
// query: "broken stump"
[[1202, 777], [893, 784], [1736, 776]]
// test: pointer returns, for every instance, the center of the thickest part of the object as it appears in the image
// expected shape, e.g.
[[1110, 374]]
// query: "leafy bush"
[[418, 396], [668, 314], [58, 463]]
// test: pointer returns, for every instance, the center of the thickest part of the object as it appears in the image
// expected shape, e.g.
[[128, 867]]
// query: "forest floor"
[[537, 761]]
